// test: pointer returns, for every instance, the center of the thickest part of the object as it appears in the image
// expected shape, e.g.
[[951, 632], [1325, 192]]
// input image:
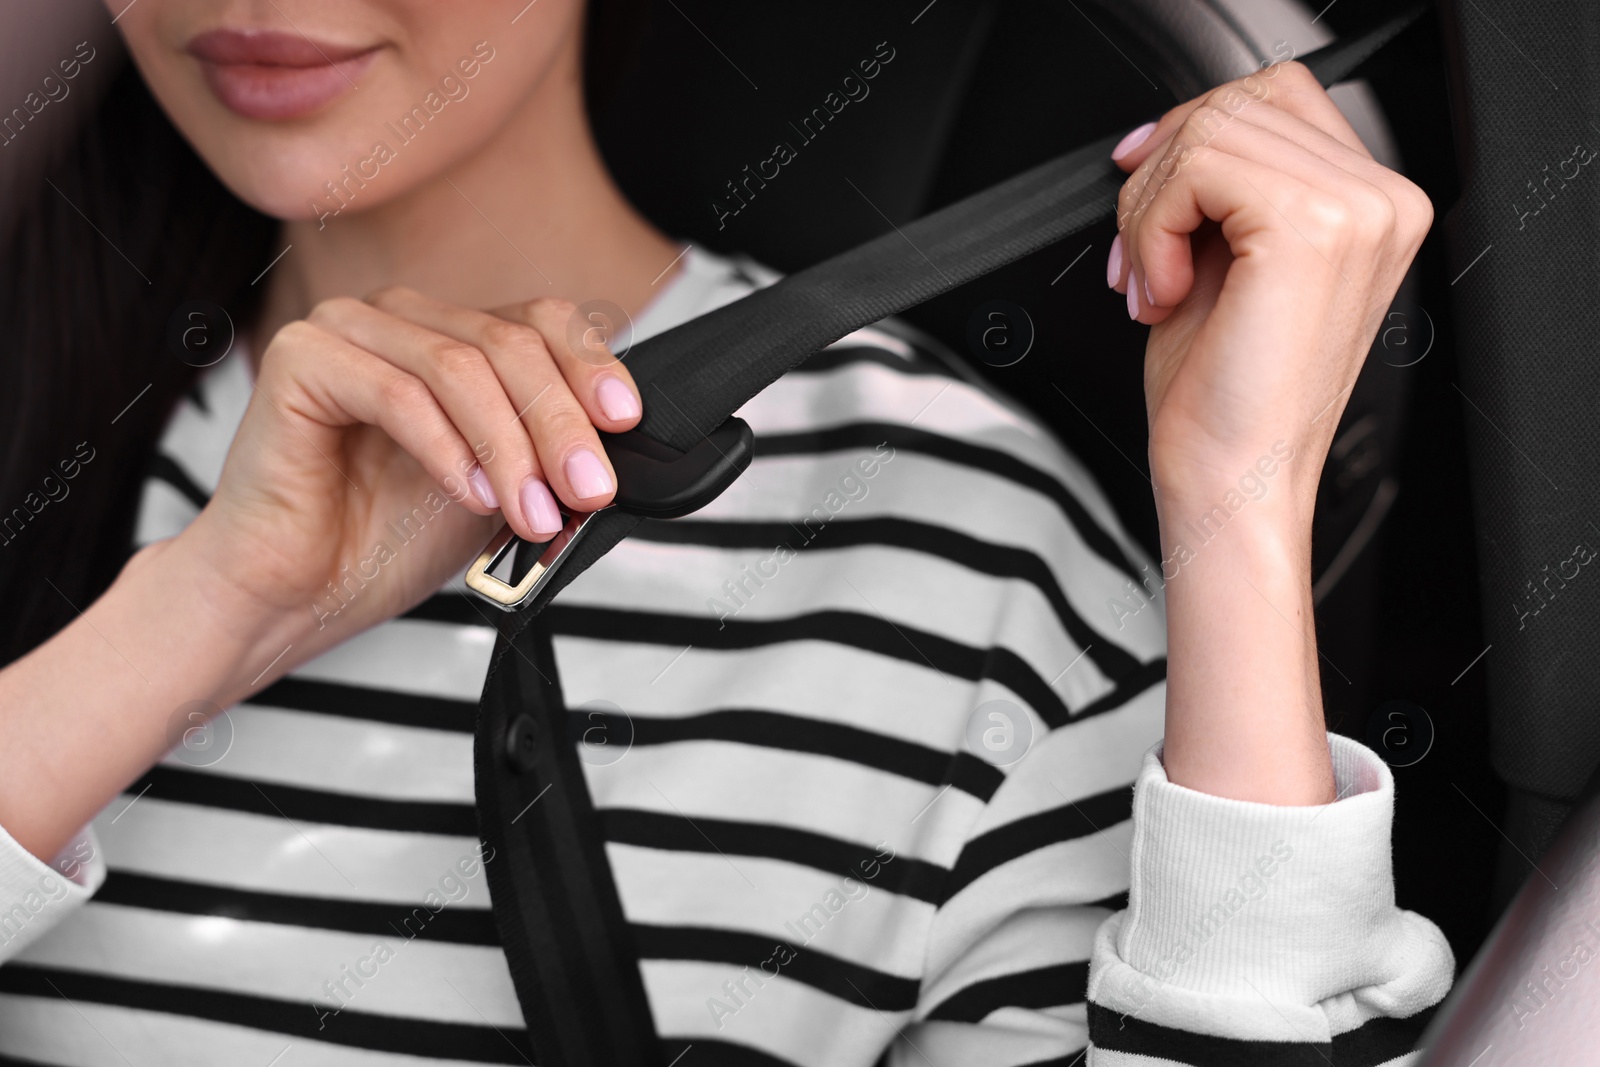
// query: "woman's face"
[[307, 107]]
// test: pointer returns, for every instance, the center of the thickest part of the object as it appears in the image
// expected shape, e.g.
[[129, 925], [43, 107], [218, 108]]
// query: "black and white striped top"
[[877, 803]]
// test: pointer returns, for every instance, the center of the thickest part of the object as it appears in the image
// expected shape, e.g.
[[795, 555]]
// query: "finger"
[[583, 354], [1409, 207], [1315, 140], [1289, 86], [1272, 222], [333, 383], [1293, 261], [466, 387], [574, 464], [1296, 91], [1160, 259], [595, 377]]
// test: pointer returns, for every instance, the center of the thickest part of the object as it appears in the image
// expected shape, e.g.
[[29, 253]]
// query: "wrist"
[[245, 634], [92, 708], [1198, 495], [1266, 539]]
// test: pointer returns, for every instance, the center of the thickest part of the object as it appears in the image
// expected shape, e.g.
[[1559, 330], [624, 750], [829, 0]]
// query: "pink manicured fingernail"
[[482, 489], [616, 399], [1149, 300], [539, 508], [1134, 139], [1114, 262], [587, 475], [1133, 297]]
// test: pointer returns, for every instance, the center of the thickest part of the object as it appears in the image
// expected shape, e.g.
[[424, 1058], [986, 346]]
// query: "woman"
[[817, 865]]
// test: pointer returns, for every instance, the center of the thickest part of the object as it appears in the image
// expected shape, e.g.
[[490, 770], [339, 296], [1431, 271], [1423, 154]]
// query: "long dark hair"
[[127, 228]]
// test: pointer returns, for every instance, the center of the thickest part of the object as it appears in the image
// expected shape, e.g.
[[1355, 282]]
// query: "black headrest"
[[789, 132]]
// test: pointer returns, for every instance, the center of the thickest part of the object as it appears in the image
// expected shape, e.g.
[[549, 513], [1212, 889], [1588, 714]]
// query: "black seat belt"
[[555, 903]]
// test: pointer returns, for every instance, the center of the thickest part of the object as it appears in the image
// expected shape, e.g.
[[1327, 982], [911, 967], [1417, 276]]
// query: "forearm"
[[1244, 708], [91, 709]]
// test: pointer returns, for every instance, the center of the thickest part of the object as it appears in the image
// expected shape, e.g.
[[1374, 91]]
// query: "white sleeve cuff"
[[35, 896], [1235, 901]]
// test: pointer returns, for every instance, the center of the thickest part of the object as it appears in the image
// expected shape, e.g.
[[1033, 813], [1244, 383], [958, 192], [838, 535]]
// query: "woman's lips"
[[265, 74]]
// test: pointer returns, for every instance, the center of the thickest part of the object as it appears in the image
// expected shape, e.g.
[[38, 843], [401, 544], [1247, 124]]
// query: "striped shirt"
[[876, 806]]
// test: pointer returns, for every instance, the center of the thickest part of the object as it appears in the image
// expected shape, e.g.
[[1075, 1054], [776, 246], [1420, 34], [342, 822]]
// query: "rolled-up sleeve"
[[1258, 925], [35, 896]]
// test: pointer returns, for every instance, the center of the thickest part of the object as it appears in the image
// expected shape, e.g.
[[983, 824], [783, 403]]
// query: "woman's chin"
[[295, 190]]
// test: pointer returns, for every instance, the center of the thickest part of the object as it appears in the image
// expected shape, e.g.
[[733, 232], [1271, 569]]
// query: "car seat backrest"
[[1523, 248]]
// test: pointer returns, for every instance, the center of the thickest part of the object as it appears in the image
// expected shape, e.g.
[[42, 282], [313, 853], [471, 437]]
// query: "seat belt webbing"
[[696, 375]]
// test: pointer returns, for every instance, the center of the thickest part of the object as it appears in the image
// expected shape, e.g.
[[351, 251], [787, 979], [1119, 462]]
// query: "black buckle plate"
[[653, 481]]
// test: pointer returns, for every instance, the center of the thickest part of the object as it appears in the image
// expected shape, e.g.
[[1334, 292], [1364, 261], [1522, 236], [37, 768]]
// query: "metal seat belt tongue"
[[654, 480]]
